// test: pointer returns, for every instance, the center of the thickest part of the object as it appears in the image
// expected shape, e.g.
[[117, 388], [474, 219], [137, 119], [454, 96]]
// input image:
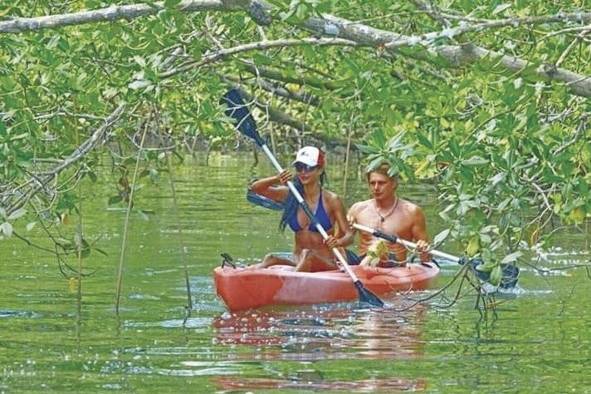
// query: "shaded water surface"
[[539, 340]]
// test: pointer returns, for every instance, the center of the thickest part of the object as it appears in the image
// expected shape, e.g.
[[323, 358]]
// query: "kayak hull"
[[247, 288]]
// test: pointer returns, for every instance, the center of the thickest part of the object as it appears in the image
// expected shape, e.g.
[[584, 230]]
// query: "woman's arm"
[[345, 234], [269, 187]]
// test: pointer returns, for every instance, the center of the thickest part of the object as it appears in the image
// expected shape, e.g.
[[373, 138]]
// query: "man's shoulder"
[[411, 207]]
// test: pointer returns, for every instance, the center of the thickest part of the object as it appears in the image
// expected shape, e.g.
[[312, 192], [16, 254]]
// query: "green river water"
[[540, 340]]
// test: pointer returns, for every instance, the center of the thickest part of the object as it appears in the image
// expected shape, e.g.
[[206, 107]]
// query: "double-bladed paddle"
[[509, 272], [245, 123]]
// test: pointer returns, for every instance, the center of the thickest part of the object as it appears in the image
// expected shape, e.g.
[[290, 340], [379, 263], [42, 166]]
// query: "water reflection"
[[301, 381], [319, 333], [330, 331]]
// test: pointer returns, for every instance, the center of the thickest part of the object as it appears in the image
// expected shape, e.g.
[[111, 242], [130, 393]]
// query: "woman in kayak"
[[311, 253]]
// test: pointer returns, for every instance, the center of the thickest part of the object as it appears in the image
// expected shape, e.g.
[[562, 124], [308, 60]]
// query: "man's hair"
[[384, 169]]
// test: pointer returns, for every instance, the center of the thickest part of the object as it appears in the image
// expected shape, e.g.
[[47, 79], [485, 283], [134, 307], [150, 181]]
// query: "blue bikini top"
[[320, 215]]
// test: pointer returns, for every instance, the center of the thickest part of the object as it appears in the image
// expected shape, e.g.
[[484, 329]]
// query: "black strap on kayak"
[[227, 260], [435, 262]]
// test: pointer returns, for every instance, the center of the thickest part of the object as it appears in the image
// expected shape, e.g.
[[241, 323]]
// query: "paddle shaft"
[[393, 238], [306, 209]]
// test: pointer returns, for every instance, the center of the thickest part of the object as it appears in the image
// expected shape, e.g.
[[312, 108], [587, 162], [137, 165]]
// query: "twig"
[[126, 225], [223, 53]]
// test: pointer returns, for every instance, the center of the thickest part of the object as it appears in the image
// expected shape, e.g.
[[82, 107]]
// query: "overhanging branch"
[[222, 53], [455, 55], [109, 14], [12, 201]]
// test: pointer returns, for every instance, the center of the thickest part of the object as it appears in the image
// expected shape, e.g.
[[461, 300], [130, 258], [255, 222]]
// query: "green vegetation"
[[488, 99]]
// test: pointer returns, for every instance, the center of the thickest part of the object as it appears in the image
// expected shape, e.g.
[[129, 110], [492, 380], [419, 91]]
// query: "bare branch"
[[13, 201], [270, 73], [109, 14], [222, 53], [275, 115], [464, 27], [432, 11], [335, 27], [456, 55], [279, 90]]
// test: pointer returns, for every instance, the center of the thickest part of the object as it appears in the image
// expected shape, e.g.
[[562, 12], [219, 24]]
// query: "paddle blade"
[[238, 111], [510, 273], [263, 201], [367, 297]]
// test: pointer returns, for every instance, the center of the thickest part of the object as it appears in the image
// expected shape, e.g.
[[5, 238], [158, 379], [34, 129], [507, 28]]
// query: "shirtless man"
[[389, 213]]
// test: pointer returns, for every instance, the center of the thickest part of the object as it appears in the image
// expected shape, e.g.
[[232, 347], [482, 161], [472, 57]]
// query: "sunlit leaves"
[[393, 151]]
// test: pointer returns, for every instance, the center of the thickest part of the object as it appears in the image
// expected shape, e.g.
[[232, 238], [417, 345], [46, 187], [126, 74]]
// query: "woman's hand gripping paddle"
[[509, 272], [245, 123]]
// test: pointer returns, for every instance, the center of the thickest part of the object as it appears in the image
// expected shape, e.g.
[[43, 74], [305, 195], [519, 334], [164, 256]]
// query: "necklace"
[[383, 217]]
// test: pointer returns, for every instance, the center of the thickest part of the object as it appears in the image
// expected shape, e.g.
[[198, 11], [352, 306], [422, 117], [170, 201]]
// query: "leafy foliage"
[[508, 151]]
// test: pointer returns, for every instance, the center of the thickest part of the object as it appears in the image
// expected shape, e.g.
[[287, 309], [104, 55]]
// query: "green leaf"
[[6, 228], [496, 275], [475, 161], [487, 266], [135, 85], [510, 258], [439, 238], [171, 3], [500, 8], [423, 140], [115, 199], [17, 214]]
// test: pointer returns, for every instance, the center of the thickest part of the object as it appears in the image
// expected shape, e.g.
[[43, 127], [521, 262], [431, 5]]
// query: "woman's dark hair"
[[291, 203]]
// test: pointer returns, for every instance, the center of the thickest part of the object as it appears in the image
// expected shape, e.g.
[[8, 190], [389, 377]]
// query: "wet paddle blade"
[[238, 111], [510, 273], [263, 201], [367, 297]]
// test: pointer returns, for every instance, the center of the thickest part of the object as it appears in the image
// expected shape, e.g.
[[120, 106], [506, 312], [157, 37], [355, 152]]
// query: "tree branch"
[[455, 55], [464, 27], [109, 14], [13, 201], [279, 90], [302, 80], [335, 27], [275, 115], [222, 53]]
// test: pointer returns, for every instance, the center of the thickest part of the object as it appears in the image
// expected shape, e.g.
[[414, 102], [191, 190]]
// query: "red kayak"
[[246, 288]]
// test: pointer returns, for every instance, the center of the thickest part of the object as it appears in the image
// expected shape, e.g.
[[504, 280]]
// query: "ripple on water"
[[194, 322], [18, 314]]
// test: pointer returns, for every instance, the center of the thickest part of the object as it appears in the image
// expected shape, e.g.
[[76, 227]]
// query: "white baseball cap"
[[310, 155]]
